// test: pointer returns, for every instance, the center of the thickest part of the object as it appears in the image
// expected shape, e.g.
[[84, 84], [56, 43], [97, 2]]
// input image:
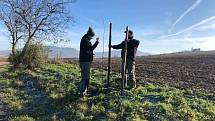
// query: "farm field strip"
[[190, 72]]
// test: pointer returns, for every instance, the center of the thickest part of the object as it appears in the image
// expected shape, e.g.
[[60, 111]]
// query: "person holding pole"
[[132, 45], [85, 59]]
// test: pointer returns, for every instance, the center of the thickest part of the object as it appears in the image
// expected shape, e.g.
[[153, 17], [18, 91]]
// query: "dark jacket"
[[132, 46], [86, 49]]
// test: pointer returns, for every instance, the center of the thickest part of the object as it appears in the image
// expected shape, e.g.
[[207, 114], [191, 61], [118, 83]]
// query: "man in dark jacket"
[[132, 46], [85, 59]]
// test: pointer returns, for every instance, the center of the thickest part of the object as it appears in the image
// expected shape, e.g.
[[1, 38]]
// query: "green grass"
[[3, 68], [48, 93]]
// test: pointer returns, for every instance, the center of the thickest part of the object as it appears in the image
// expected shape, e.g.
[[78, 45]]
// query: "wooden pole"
[[109, 55], [124, 63]]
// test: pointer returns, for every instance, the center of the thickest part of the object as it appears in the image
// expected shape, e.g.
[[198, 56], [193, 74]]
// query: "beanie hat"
[[90, 32]]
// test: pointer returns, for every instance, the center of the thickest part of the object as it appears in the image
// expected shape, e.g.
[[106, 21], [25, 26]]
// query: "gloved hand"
[[97, 39]]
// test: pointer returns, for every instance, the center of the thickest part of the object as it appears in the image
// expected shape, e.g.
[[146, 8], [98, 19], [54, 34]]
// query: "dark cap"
[[129, 31], [90, 32]]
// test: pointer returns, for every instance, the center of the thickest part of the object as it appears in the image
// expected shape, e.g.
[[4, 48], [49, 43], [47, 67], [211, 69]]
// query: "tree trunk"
[[13, 50], [20, 57]]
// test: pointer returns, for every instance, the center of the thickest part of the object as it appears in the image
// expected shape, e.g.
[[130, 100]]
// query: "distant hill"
[[73, 53], [66, 52], [54, 52], [5, 53], [63, 52]]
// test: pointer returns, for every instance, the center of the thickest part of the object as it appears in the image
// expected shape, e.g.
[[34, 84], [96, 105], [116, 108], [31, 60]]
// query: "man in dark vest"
[[132, 46], [85, 59]]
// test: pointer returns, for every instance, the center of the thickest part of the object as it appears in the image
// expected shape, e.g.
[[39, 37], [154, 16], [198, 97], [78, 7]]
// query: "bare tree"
[[12, 23], [38, 20]]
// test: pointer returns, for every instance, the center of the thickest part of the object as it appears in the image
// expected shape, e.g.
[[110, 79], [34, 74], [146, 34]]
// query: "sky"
[[161, 26]]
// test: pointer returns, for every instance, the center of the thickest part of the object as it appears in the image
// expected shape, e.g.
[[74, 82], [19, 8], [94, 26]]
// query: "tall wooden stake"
[[123, 81], [109, 55]]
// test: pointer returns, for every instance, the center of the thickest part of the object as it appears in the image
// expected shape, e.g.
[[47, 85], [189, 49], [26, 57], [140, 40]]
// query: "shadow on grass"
[[37, 93]]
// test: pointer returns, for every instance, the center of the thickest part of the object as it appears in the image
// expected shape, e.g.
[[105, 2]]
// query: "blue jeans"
[[85, 76]]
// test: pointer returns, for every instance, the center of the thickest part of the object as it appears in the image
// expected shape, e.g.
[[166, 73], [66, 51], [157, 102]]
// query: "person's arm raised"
[[95, 44]]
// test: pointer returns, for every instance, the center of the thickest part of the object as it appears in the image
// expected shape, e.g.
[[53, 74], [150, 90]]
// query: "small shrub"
[[36, 54]]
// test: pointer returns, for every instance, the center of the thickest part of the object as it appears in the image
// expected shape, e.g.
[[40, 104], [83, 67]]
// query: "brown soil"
[[196, 72]]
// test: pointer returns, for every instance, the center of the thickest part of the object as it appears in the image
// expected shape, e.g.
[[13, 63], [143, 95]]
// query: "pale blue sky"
[[161, 25]]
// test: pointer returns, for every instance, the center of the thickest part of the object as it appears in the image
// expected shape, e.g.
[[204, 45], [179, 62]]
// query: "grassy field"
[[48, 94]]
